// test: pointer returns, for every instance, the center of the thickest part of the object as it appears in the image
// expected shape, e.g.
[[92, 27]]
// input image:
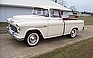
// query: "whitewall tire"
[[32, 39], [73, 33]]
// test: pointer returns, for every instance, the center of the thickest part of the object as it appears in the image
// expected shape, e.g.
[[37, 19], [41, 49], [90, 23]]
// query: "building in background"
[[10, 8]]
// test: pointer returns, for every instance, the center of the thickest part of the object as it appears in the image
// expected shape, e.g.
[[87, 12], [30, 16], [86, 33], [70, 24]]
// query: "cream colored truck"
[[45, 22]]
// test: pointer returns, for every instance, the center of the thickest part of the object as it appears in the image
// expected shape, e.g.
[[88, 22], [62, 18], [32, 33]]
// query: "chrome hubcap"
[[33, 39]]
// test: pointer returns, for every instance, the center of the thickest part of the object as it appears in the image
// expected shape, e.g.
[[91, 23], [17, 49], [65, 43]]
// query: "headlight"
[[9, 20]]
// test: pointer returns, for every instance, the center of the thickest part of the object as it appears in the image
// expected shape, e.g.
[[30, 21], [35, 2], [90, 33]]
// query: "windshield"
[[40, 12]]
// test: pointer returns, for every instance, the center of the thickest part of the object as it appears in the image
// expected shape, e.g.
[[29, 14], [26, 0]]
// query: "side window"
[[45, 13], [54, 13], [40, 12]]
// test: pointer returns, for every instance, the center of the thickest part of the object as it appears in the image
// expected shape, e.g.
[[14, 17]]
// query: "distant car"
[[45, 22]]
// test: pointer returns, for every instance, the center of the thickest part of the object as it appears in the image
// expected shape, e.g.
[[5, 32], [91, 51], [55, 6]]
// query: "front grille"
[[13, 28]]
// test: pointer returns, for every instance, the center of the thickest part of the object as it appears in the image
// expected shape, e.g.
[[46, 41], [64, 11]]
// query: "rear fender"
[[75, 27]]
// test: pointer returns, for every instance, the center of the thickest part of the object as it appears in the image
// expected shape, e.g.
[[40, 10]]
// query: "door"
[[56, 24]]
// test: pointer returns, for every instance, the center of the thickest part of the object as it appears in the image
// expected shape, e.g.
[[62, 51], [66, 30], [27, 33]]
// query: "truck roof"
[[53, 7], [47, 4]]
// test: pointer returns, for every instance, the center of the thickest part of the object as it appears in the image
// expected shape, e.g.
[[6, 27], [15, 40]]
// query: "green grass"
[[83, 49], [2, 24], [3, 27], [88, 20]]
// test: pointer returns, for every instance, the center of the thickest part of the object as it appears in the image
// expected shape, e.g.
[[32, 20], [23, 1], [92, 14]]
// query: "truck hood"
[[25, 18]]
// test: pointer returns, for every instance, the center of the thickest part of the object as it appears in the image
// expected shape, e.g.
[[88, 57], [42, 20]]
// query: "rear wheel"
[[32, 39], [73, 33]]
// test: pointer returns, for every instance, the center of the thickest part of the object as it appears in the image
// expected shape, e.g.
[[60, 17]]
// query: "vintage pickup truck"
[[45, 22]]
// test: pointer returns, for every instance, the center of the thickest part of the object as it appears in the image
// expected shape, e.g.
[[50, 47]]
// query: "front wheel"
[[32, 39], [73, 33]]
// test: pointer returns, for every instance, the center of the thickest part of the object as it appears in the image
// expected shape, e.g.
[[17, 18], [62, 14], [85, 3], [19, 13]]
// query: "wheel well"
[[36, 31], [76, 29]]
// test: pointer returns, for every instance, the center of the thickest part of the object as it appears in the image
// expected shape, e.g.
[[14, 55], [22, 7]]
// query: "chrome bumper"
[[15, 35]]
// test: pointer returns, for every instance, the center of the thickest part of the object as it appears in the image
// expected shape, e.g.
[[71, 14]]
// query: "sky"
[[81, 5]]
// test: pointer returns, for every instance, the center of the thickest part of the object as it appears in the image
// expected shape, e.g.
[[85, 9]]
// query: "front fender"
[[34, 29]]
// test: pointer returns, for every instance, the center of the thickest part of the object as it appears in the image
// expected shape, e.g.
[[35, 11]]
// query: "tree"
[[73, 8], [62, 2]]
